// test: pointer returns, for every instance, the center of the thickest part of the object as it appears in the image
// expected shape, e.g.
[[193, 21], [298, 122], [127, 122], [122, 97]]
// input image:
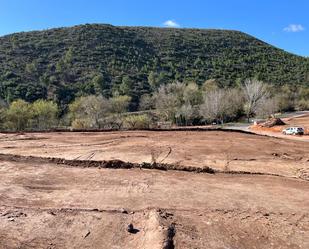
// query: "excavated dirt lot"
[[228, 151], [56, 191], [276, 131]]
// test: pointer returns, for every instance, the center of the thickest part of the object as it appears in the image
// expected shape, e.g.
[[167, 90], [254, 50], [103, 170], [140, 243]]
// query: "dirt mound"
[[158, 234], [118, 164], [271, 122], [108, 164]]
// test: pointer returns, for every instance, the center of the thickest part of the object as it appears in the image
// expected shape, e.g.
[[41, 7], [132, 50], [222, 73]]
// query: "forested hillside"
[[60, 64]]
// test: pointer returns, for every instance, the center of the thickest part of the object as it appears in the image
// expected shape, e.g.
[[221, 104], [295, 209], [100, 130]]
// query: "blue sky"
[[283, 23]]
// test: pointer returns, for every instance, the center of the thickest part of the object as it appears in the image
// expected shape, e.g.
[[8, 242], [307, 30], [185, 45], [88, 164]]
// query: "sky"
[[282, 23]]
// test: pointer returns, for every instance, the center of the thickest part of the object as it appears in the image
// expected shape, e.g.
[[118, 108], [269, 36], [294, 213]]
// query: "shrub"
[[91, 108], [138, 121], [44, 114], [81, 124], [303, 105], [18, 115]]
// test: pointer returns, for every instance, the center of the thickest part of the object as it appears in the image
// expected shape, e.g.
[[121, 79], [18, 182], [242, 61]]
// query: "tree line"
[[179, 103]]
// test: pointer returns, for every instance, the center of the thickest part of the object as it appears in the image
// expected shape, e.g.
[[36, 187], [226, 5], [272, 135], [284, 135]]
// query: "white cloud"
[[171, 24], [294, 28]]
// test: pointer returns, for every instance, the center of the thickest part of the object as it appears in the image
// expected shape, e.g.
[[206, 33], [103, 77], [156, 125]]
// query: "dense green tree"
[[101, 86], [153, 80], [44, 114], [18, 115], [127, 86]]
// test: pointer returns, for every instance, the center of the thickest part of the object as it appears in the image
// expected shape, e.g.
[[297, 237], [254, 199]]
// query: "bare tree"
[[267, 107], [90, 110], [214, 106], [221, 105], [186, 112], [234, 103], [168, 99], [254, 93], [146, 102], [192, 94]]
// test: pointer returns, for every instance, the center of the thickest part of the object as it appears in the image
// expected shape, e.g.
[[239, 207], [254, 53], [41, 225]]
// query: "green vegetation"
[[44, 114], [95, 76], [175, 103], [18, 115], [93, 111], [138, 121], [21, 115], [66, 63]]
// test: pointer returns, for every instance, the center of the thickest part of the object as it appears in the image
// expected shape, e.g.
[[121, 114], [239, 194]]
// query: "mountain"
[[63, 63]]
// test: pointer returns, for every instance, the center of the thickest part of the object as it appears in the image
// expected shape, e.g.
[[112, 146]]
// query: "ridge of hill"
[[62, 63]]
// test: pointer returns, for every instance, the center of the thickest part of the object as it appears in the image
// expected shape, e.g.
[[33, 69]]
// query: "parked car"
[[293, 131]]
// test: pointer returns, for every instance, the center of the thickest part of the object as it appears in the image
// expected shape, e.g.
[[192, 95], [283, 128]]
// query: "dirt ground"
[[51, 205], [301, 121], [232, 151]]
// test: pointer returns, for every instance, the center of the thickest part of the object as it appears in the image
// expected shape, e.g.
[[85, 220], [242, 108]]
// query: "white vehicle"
[[293, 131]]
